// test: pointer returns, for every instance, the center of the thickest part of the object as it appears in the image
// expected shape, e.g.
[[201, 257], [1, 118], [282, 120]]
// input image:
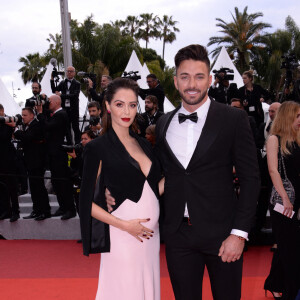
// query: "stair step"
[[50, 229]]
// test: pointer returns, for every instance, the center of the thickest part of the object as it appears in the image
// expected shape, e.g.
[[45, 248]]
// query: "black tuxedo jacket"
[[73, 95], [107, 161], [56, 128], [158, 92], [33, 142], [207, 183]]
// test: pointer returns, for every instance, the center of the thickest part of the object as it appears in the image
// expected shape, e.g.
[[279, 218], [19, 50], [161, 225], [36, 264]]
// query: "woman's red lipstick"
[[125, 119]]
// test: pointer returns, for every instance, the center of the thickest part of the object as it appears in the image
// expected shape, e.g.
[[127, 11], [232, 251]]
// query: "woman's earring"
[[108, 111]]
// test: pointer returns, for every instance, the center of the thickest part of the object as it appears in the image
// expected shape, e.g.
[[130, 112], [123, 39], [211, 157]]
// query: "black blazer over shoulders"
[[107, 164], [206, 185]]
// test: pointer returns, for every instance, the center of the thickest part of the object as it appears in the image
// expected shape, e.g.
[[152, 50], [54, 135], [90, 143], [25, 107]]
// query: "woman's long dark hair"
[[112, 88]]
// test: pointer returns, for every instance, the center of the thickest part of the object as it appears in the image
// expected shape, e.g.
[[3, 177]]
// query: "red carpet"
[[57, 270]]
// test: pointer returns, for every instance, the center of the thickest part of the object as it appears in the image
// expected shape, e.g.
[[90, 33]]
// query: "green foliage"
[[242, 36], [33, 69]]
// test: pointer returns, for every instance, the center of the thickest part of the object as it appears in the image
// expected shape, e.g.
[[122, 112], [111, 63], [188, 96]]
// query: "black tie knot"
[[182, 117]]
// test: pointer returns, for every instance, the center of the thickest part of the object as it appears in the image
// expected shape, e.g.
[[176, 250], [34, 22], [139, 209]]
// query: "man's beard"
[[194, 101], [36, 93]]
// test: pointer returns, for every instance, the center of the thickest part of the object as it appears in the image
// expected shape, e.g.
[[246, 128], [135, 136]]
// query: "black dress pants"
[[61, 181], [38, 191], [10, 202], [287, 234], [187, 257]]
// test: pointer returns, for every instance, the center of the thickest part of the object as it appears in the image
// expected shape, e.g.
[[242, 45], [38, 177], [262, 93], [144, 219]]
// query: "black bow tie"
[[68, 80], [182, 117]]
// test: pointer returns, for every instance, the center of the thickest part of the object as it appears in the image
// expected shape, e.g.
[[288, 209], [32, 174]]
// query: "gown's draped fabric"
[[130, 271]]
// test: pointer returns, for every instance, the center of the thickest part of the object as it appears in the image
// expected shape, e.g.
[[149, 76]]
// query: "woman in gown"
[[285, 137], [128, 238]]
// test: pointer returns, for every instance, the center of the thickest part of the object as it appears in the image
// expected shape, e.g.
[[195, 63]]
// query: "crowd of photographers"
[[49, 135]]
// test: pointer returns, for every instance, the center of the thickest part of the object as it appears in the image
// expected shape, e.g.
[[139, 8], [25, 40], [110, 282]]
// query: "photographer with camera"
[[56, 129], [151, 114], [221, 90], [76, 152], [252, 96], [37, 97], [95, 120], [33, 143], [9, 204], [69, 90], [155, 89], [105, 80]]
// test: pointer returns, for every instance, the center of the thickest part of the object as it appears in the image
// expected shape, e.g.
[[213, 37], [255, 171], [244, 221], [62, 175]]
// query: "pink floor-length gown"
[[130, 271]]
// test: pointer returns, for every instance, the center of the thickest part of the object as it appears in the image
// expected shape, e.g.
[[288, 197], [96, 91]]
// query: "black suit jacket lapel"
[[210, 131]]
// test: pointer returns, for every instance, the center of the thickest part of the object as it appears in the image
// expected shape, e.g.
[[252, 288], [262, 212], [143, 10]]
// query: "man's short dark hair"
[[237, 100], [194, 52], [153, 76], [94, 104], [29, 109], [153, 99], [40, 86], [1, 107]]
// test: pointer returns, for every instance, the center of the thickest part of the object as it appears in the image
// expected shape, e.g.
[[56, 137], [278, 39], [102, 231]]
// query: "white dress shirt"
[[183, 138]]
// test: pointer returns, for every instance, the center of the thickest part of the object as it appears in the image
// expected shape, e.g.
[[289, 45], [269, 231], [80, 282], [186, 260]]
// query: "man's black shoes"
[[68, 215], [33, 215]]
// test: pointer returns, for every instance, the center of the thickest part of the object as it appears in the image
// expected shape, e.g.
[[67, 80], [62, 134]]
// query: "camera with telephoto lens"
[[40, 100], [228, 74], [17, 119], [78, 148], [94, 121], [133, 75], [87, 75]]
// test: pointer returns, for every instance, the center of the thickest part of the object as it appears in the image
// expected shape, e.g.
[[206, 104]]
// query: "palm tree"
[[241, 36], [167, 32], [131, 26], [33, 69], [55, 48], [148, 27]]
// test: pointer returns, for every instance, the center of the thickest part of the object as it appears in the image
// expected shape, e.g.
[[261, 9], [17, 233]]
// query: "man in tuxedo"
[[33, 144], [56, 127], [151, 114], [105, 80], [155, 89], [198, 144], [69, 90]]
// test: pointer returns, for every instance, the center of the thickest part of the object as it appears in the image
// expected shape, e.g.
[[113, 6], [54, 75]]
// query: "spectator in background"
[[9, 204], [155, 89], [150, 134], [105, 80], [33, 143], [69, 90], [252, 95], [237, 103], [266, 183], [284, 143], [36, 91]]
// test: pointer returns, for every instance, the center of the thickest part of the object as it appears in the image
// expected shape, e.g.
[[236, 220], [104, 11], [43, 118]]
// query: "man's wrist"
[[239, 237]]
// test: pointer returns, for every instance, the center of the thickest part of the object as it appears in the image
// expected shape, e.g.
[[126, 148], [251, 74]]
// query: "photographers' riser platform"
[[50, 229]]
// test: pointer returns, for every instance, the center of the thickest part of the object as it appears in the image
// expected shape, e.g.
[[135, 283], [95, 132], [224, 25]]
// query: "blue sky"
[[25, 26]]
